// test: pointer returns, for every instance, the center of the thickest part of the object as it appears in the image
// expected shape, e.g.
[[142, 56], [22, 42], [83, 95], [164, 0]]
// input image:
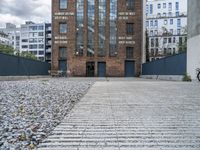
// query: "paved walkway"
[[132, 115]]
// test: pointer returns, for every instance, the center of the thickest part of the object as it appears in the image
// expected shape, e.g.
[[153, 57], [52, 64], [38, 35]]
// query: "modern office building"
[[193, 51], [36, 38], [97, 37], [31, 37], [166, 26]]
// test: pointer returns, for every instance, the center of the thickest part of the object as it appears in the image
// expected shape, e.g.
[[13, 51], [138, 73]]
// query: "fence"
[[171, 65], [17, 66]]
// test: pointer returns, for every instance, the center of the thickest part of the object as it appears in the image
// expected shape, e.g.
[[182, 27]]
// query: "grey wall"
[[17, 66], [172, 65], [193, 18]]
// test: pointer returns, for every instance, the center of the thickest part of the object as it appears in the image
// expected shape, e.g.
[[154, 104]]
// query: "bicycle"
[[198, 73]]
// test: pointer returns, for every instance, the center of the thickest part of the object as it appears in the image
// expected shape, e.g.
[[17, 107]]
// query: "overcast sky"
[[19, 11]]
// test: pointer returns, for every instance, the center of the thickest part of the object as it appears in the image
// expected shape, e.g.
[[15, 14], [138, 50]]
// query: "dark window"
[[129, 28], [63, 4], [40, 34], [152, 42], [170, 40], [130, 4], [24, 46], [129, 52], [63, 28], [41, 52], [63, 52], [25, 40], [157, 43]]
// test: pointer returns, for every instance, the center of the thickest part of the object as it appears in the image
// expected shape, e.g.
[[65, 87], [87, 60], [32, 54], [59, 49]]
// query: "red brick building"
[[97, 37]]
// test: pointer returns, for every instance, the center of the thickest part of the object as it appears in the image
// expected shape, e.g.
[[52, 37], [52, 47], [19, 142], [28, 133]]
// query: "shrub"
[[187, 78]]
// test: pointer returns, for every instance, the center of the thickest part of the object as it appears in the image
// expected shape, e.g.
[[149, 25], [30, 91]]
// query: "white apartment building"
[[4, 39], [31, 37], [13, 34], [166, 27]]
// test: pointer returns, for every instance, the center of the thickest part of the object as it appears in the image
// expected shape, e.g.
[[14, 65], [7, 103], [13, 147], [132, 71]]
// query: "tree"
[[10, 50], [28, 55], [7, 49]]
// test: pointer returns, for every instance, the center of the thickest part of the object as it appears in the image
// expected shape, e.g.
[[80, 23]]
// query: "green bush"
[[187, 78]]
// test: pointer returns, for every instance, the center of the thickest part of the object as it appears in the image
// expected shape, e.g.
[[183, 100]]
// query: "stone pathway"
[[132, 115]]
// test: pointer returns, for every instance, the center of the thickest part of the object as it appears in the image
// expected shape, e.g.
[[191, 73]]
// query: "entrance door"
[[63, 67], [101, 69], [129, 68], [90, 69]]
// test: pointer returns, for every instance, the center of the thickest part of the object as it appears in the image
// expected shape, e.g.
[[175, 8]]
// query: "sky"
[[19, 11]]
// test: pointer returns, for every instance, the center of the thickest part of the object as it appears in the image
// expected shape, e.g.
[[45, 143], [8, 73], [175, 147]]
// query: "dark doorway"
[[101, 69], [90, 69], [63, 67], [129, 68]]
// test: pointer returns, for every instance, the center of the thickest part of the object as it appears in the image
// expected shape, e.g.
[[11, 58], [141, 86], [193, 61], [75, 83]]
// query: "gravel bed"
[[30, 110]]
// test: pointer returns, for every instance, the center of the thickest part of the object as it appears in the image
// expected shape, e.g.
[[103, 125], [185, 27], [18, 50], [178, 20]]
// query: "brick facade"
[[115, 66]]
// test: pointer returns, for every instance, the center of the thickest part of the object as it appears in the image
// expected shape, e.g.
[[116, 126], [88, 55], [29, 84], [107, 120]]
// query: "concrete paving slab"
[[133, 115]]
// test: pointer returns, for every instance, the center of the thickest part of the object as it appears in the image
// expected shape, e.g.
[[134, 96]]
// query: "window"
[[156, 32], [33, 40], [40, 27], [178, 31], [157, 43], [40, 34], [129, 28], [156, 23], [165, 22], [130, 4], [178, 22], [63, 28], [40, 40], [170, 14], [102, 28], [171, 31], [151, 33], [170, 6], [24, 46], [151, 8], [177, 14], [90, 20], [33, 28], [24, 40], [159, 6], [151, 23], [164, 15], [164, 5], [171, 21], [63, 52], [147, 23], [177, 5], [33, 46], [170, 40], [63, 4], [147, 9], [41, 52], [158, 15], [79, 25], [152, 42], [164, 40], [41, 46], [129, 52], [174, 40]]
